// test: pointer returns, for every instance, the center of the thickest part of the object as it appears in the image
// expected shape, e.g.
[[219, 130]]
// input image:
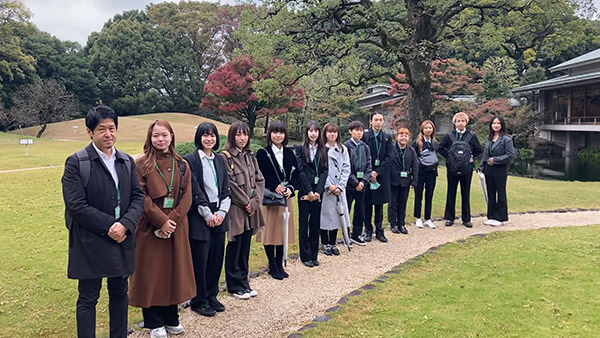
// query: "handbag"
[[429, 160], [271, 198]]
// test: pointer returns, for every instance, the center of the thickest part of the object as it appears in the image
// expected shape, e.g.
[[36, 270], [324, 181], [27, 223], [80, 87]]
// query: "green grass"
[[519, 284]]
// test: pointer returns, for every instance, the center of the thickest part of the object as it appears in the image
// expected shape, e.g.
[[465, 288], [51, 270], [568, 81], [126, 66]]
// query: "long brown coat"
[[164, 273], [244, 177]]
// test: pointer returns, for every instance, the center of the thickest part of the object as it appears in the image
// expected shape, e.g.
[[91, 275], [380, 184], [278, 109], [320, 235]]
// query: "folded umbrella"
[[341, 212]]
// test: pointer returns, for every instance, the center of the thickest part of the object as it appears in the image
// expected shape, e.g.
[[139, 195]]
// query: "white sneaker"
[[251, 292], [241, 295], [174, 329], [430, 224], [494, 223], [487, 222], [419, 223], [159, 332]]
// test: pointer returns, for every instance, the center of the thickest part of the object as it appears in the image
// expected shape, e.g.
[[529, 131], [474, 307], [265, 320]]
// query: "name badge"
[[377, 162], [251, 192], [168, 202], [284, 183], [404, 174], [316, 180], [360, 174], [118, 212]]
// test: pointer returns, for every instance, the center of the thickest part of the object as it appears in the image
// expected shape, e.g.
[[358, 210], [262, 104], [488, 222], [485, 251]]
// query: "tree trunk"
[[44, 126], [251, 123], [419, 94]]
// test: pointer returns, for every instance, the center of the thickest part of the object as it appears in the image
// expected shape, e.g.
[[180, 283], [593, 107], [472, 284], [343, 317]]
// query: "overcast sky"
[[75, 19]]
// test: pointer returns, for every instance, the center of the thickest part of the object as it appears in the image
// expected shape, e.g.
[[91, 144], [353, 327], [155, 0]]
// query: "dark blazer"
[[198, 228], [365, 165], [381, 195], [503, 151], [92, 253], [444, 146], [411, 165], [307, 172], [272, 177]]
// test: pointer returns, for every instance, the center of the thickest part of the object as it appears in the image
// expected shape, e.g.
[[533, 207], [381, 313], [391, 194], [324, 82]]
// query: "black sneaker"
[[316, 263], [395, 230], [204, 310], [448, 223], [241, 294], [308, 263], [334, 250], [326, 249], [215, 304], [368, 237], [468, 224], [358, 241], [382, 238], [403, 230]]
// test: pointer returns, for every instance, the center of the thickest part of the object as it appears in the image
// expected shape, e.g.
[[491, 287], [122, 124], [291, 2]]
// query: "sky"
[[75, 20]]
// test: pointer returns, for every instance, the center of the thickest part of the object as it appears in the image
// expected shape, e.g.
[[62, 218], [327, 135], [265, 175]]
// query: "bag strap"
[[274, 168], [229, 158], [182, 172]]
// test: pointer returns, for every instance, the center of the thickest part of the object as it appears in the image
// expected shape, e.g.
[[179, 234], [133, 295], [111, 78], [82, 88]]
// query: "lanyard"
[[169, 186], [459, 135], [359, 156], [402, 152], [377, 145], [317, 162], [211, 164]]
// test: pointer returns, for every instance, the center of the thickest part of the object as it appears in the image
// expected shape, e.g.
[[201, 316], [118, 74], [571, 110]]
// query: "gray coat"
[[503, 151], [339, 171]]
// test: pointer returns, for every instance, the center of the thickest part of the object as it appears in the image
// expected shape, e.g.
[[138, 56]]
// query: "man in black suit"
[[103, 202]]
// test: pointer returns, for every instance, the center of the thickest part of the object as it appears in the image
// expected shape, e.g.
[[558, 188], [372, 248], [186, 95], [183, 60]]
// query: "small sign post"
[[26, 142], [75, 129]]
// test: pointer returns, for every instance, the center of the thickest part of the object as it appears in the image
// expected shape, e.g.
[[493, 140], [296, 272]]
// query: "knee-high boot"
[[273, 269], [279, 260]]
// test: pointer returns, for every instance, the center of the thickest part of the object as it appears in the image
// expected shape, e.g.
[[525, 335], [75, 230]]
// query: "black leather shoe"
[[367, 237], [395, 230], [204, 310], [403, 230], [449, 223], [310, 264], [216, 305], [468, 224], [316, 263], [382, 238]]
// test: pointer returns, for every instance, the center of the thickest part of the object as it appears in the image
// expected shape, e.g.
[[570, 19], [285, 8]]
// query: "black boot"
[[279, 260], [273, 269]]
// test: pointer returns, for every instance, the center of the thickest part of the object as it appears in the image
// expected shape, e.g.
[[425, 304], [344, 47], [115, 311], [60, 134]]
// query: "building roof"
[[557, 82], [585, 59]]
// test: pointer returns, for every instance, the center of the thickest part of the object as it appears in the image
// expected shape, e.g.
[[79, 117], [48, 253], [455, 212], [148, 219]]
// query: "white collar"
[[276, 150], [203, 155], [461, 132], [103, 155]]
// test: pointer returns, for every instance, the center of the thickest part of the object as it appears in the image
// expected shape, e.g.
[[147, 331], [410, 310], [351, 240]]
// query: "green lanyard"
[[359, 156], [211, 164], [169, 186], [377, 145], [317, 161], [459, 135], [403, 152]]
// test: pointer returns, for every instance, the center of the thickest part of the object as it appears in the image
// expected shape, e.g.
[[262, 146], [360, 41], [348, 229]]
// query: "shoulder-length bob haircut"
[[502, 128], [206, 128], [146, 161], [277, 127], [237, 127]]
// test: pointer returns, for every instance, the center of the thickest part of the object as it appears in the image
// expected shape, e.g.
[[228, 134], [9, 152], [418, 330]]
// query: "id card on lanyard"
[[168, 201]]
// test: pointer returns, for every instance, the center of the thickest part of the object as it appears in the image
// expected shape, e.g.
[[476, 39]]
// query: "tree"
[[41, 103], [500, 76], [246, 90]]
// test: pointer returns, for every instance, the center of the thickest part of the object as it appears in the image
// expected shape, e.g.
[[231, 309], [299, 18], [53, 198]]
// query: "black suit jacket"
[[411, 165], [503, 151], [273, 178], [198, 228], [92, 253], [307, 172], [381, 195], [365, 165]]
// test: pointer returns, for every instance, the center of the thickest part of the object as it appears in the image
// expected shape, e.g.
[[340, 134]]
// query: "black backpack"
[[460, 156]]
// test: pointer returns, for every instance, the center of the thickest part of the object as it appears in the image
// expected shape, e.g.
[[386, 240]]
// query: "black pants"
[[236, 262], [309, 222], [89, 292], [328, 236], [207, 257], [378, 219], [358, 216], [465, 193], [425, 181], [497, 207], [397, 206], [157, 316]]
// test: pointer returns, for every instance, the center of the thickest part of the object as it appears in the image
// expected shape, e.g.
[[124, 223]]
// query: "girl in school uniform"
[[497, 154], [278, 165], [405, 171], [426, 148], [245, 215], [335, 187], [312, 172], [208, 222]]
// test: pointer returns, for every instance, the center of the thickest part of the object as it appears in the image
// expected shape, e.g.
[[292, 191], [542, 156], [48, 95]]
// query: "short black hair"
[[279, 127], [98, 113], [206, 128], [356, 125]]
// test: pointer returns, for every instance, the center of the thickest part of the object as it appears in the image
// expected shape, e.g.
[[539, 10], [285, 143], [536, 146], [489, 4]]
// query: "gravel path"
[[284, 306]]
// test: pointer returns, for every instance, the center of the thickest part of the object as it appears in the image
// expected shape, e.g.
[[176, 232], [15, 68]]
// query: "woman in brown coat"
[[163, 274], [245, 215]]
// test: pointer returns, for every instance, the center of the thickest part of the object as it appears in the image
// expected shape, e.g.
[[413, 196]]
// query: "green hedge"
[[590, 155], [185, 148]]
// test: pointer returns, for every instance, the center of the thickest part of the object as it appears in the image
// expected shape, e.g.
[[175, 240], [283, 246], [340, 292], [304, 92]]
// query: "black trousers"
[[309, 223], [157, 316], [329, 236], [397, 206], [358, 216], [425, 181], [497, 207], [236, 262], [89, 292], [207, 257], [465, 195], [378, 219]]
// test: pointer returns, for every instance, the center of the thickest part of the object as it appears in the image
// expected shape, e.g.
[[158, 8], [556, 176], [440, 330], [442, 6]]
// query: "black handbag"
[[271, 198]]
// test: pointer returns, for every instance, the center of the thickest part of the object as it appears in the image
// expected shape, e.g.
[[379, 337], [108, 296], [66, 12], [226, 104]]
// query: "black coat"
[[307, 172], [503, 151], [365, 165], [92, 253], [411, 165], [444, 146], [273, 178], [381, 195], [198, 228]]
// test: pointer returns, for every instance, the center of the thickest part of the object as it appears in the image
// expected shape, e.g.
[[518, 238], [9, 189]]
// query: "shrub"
[[590, 155], [185, 148]]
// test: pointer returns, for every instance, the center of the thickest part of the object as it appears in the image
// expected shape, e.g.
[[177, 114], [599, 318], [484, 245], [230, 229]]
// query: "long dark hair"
[[237, 127], [206, 128], [146, 161], [502, 128], [279, 127], [321, 153], [332, 127]]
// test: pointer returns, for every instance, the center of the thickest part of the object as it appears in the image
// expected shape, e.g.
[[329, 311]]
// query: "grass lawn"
[[520, 284]]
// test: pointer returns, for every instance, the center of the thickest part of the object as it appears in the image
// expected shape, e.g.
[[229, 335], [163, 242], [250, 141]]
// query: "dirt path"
[[284, 306]]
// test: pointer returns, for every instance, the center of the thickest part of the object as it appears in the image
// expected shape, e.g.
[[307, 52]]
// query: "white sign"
[[26, 141], [75, 129]]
